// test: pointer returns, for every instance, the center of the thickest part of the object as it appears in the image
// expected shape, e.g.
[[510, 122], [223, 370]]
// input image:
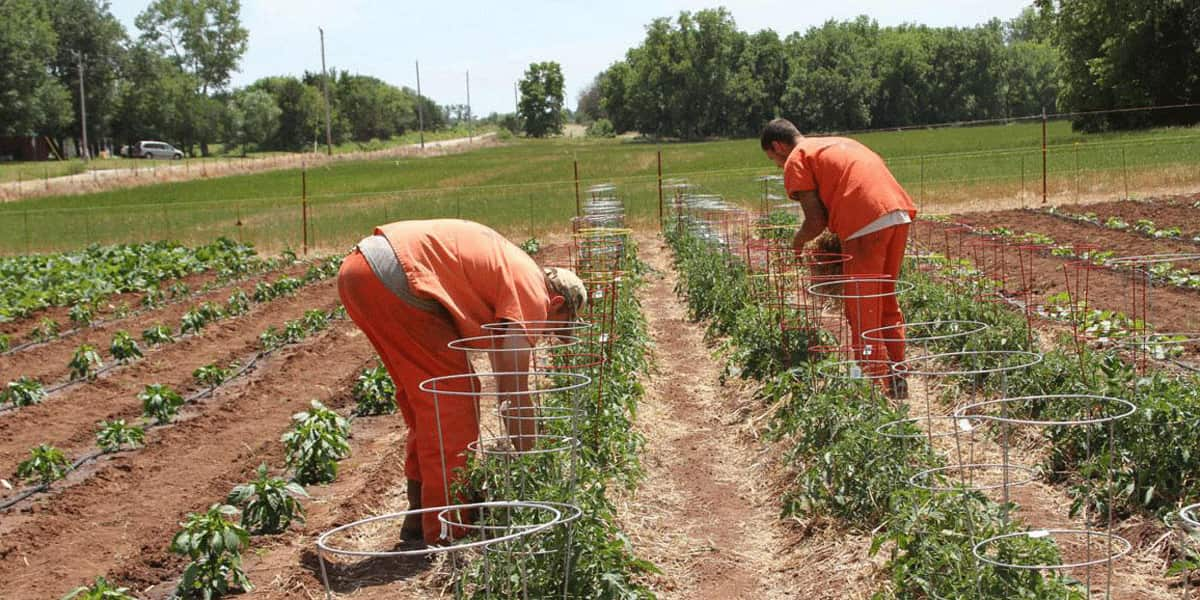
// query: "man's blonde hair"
[[567, 284]]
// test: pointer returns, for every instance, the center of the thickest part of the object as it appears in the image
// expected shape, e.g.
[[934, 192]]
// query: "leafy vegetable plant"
[[316, 442], [85, 363], [46, 330], [269, 504], [46, 464], [374, 392], [101, 589], [215, 546], [81, 315], [160, 402], [24, 391], [124, 348], [158, 334], [211, 375], [116, 433]]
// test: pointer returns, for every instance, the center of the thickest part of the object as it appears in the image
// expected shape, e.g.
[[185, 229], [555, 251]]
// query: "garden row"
[[89, 277], [86, 362], [846, 470]]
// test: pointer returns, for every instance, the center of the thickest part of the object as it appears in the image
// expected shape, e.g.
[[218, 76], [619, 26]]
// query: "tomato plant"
[[269, 504], [116, 433], [160, 402], [316, 442], [85, 363], [214, 545], [46, 464]]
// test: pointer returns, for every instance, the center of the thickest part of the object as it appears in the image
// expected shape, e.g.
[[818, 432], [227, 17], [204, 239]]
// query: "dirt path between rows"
[[707, 513]]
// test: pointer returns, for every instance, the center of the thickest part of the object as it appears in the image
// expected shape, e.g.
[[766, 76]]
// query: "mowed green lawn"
[[527, 186]]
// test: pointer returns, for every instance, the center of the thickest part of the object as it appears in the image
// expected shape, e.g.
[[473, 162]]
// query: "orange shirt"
[[477, 274], [853, 183]]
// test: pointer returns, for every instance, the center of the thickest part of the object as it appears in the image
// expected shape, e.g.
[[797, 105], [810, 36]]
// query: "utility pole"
[[325, 85], [83, 153], [470, 132], [420, 106]]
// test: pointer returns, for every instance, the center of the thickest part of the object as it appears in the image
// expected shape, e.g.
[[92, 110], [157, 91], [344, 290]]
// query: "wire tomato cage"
[[1143, 272], [497, 530]]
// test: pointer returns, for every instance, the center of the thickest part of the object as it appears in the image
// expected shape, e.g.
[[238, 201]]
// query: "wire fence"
[[1133, 167]]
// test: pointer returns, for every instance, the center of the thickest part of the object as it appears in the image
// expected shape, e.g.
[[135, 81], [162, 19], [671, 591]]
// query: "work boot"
[[411, 530], [898, 388]]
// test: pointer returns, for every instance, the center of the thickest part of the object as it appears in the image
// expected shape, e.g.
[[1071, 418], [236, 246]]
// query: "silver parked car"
[[152, 149]]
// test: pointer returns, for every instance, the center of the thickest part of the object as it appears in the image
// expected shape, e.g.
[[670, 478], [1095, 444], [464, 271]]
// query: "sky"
[[496, 41]]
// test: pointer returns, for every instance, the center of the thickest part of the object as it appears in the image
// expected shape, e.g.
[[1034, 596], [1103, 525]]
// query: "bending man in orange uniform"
[[415, 286], [843, 185]]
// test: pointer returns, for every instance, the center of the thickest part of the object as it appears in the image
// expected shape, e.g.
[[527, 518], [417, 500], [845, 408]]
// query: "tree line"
[[171, 82], [699, 75]]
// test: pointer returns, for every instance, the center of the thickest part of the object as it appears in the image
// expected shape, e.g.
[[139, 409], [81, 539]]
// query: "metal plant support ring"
[[852, 370], [1022, 360], [972, 411], [970, 328], [555, 517], [917, 479], [1123, 547], [885, 429], [821, 290]]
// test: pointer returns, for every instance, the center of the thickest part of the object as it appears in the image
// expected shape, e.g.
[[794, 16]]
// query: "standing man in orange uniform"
[[843, 185], [415, 286]]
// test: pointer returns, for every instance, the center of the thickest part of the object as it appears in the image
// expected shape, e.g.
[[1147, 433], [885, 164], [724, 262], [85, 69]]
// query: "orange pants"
[[412, 345], [874, 255]]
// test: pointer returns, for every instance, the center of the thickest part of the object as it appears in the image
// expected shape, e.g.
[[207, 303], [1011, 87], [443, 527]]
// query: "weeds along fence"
[[313, 214]]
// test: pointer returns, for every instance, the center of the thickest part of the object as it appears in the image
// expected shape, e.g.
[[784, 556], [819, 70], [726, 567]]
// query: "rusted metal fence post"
[[304, 207], [660, 191]]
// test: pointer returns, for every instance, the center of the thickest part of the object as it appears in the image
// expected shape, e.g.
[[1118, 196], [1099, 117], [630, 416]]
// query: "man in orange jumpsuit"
[[843, 185], [415, 286]]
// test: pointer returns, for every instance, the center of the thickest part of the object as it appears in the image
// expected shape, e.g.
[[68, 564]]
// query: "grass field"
[[527, 185]]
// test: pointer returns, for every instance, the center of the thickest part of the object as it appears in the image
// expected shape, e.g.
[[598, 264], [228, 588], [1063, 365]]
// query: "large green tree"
[[87, 31], [32, 101], [832, 83], [206, 40], [300, 112], [541, 104], [1127, 54], [253, 117]]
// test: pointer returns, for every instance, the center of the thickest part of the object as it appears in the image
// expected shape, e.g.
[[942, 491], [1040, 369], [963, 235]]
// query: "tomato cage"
[[864, 299], [989, 254], [1143, 272], [1026, 295], [772, 191], [1077, 274], [1189, 544], [599, 249], [928, 336], [367, 549], [953, 240], [695, 213], [1083, 549], [603, 208]]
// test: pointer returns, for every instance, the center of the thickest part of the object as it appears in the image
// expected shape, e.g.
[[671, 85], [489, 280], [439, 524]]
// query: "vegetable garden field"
[[202, 420]]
